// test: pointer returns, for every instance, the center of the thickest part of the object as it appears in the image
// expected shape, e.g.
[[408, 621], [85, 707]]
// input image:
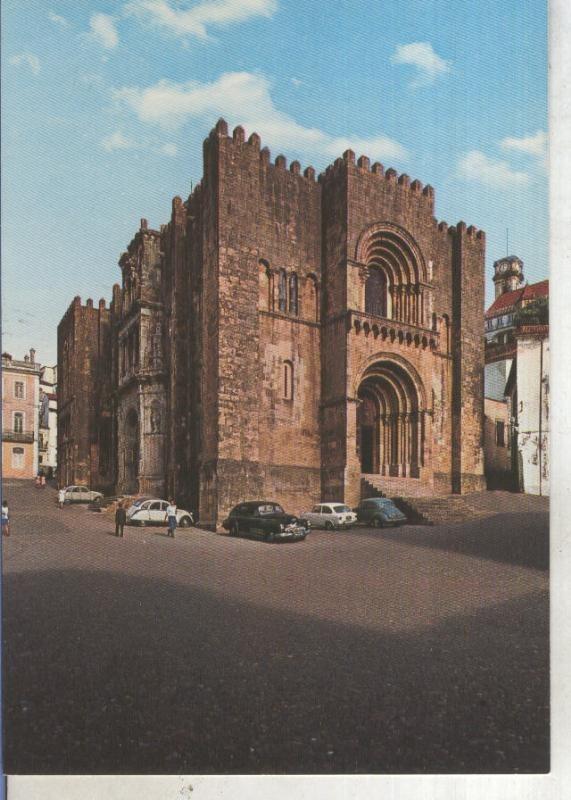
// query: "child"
[[5, 519]]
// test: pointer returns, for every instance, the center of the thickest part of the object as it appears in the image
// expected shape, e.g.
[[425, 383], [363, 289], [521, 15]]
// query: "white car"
[[330, 516], [151, 511], [81, 494]]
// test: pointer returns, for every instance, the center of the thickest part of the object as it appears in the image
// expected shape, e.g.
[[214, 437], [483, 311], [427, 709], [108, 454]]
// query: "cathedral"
[[282, 337]]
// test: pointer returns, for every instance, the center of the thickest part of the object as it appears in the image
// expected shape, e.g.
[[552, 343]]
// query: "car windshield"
[[270, 508], [340, 509], [140, 501]]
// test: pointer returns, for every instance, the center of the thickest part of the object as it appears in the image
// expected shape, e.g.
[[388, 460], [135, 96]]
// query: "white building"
[[47, 455], [528, 392], [505, 321]]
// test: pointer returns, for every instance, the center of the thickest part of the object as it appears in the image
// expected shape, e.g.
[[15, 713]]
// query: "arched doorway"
[[131, 451], [390, 422]]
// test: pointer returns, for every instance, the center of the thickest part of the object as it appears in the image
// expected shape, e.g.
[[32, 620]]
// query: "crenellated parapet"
[[253, 144]]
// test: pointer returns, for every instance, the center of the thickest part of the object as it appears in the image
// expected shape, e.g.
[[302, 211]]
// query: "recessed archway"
[[131, 451], [390, 421]]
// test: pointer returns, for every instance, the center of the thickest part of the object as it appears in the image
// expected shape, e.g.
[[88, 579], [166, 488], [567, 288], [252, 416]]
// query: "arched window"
[[282, 292], [376, 293], [293, 303], [287, 380]]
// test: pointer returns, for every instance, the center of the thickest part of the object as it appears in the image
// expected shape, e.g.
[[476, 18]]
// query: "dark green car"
[[267, 520], [380, 512]]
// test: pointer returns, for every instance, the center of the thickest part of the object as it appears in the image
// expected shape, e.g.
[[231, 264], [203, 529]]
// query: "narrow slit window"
[[288, 380], [282, 292], [293, 302]]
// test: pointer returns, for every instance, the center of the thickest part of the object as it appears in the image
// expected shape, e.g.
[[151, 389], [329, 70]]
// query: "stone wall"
[[83, 393], [244, 342]]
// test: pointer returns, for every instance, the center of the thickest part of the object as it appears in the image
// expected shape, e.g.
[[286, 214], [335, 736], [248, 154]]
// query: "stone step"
[[449, 509], [396, 487]]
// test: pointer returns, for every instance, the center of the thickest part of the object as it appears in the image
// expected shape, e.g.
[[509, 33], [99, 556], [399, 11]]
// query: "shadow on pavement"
[[107, 673], [515, 538]]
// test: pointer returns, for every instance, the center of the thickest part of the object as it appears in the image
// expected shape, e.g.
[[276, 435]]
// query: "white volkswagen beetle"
[[330, 516], [151, 511], [81, 494]]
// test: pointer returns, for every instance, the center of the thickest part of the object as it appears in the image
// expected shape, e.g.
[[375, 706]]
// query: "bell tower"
[[508, 274]]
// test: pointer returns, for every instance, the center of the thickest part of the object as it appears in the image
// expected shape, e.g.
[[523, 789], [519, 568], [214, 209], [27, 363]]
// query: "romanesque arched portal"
[[390, 421]]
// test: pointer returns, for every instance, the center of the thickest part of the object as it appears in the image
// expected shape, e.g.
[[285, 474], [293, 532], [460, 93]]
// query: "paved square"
[[410, 650]]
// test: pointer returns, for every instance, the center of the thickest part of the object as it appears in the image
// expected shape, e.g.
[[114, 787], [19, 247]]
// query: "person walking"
[[120, 520], [5, 519], [171, 517], [61, 497], [42, 481]]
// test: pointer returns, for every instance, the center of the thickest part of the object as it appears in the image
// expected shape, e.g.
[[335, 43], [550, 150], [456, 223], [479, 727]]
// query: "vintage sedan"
[[330, 516], [380, 512], [267, 520], [151, 511], [81, 494]]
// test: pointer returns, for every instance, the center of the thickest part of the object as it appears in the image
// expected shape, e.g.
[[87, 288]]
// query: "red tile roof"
[[507, 300]]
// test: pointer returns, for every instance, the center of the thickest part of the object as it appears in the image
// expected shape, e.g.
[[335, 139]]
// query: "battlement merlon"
[[348, 165], [77, 308], [253, 145]]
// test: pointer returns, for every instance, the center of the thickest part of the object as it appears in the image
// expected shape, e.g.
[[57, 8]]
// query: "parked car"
[[330, 516], [152, 511], [81, 494], [265, 519], [380, 512]]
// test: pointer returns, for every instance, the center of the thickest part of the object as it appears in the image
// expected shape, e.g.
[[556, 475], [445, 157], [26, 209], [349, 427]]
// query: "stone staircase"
[[445, 510], [384, 486]]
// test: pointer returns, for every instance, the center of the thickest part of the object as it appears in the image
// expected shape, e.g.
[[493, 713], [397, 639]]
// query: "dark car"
[[265, 519], [379, 512]]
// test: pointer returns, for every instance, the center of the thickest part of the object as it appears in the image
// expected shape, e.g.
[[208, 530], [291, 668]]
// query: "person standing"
[[61, 497], [120, 520], [171, 517], [42, 481], [5, 519]]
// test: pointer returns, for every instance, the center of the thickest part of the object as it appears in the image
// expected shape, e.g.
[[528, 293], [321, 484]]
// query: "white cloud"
[[93, 80], [429, 65], [196, 20], [296, 82], [535, 145], [244, 98], [28, 60], [104, 31], [477, 166], [117, 141], [58, 19], [169, 149]]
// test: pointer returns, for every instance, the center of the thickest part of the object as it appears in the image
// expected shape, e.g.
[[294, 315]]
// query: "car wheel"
[[234, 530], [185, 522], [329, 525], [270, 537], [377, 522]]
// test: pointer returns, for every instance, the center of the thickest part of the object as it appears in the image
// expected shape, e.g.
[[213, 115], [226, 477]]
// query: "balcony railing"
[[21, 437]]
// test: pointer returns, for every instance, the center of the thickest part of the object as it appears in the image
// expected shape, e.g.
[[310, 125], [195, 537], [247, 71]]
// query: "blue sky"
[[105, 106]]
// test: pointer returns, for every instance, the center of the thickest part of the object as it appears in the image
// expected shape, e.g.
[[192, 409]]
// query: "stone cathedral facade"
[[282, 337]]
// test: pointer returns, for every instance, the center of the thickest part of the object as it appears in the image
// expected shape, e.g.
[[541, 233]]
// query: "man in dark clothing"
[[120, 520]]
